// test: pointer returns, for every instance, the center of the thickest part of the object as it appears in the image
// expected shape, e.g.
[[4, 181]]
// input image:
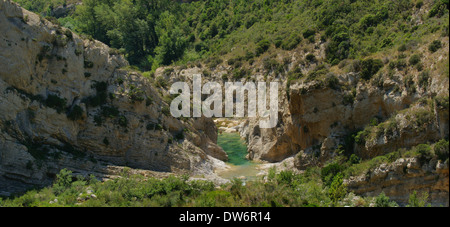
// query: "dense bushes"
[[262, 46], [329, 172], [383, 201], [441, 150], [291, 42], [439, 8], [339, 47], [170, 31], [283, 189], [370, 67], [414, 59], [435, 45]]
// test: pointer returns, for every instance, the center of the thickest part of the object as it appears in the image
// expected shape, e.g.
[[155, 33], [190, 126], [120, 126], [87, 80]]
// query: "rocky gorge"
[[67, 101]]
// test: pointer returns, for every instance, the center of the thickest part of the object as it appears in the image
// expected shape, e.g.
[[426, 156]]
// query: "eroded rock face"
[[70, 102], [317, 119], [401, 178]]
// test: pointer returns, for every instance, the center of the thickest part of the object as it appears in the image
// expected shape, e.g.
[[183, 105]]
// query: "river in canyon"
[[239, 166]]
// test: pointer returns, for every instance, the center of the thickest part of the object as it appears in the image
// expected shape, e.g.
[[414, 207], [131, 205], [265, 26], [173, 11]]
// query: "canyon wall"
[[69, 102]]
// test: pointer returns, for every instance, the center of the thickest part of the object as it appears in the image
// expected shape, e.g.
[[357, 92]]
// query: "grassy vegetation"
[[281, 189], [356, 36], [284, 189], [354, 166], [419, 117]]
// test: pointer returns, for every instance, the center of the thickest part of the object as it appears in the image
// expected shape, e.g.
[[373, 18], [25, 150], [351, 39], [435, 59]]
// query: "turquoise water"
[[236, 149]]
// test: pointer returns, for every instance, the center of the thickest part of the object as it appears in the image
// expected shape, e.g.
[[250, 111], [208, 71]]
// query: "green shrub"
[[423, 79], [435, 45], [76, 113], [424, 150], [123, 121], [400, 64], [332, 81], [390, 128], [354, 159], [270, 64], [360, 137], [154, 126], [239, 73], [63, 181], [285, 177], [442, 102], [179, 136], [337, 189], [367, 21], [225, 77], [68, 34], [383, 201], [402, 48], [419, 4], [423, 117], [416, 200], [414, 59], [291, 42], [262, 46], [160, 82], [408, 81], [98, 120], [370, 67], [328, 172], [101, 94], [214, 199], [109, 111], [311, 58], [339, 47], [55, 102], [213, 62], [439, 8], [348, 99], [441, 150], [295, 74], [237, 187], [165, 110], [206, 73], [318, 71], [308, 33], [168, 71], [136, 94]]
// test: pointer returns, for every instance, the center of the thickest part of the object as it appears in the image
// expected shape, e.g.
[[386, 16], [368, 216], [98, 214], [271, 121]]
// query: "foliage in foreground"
[[283, 189]]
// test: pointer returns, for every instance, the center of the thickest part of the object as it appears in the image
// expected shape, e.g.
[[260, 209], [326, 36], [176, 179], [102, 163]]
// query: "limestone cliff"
[[400, 178], [340, 112], [69, 102]]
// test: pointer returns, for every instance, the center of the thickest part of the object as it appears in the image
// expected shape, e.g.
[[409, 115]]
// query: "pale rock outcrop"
[[48, 73], [401, 178]]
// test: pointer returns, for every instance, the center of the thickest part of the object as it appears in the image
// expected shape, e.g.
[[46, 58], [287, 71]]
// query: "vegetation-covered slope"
[[155, 32], [375, 73]]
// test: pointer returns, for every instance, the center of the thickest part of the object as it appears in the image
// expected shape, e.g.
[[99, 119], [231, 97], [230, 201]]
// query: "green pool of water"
[[236, 149]]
